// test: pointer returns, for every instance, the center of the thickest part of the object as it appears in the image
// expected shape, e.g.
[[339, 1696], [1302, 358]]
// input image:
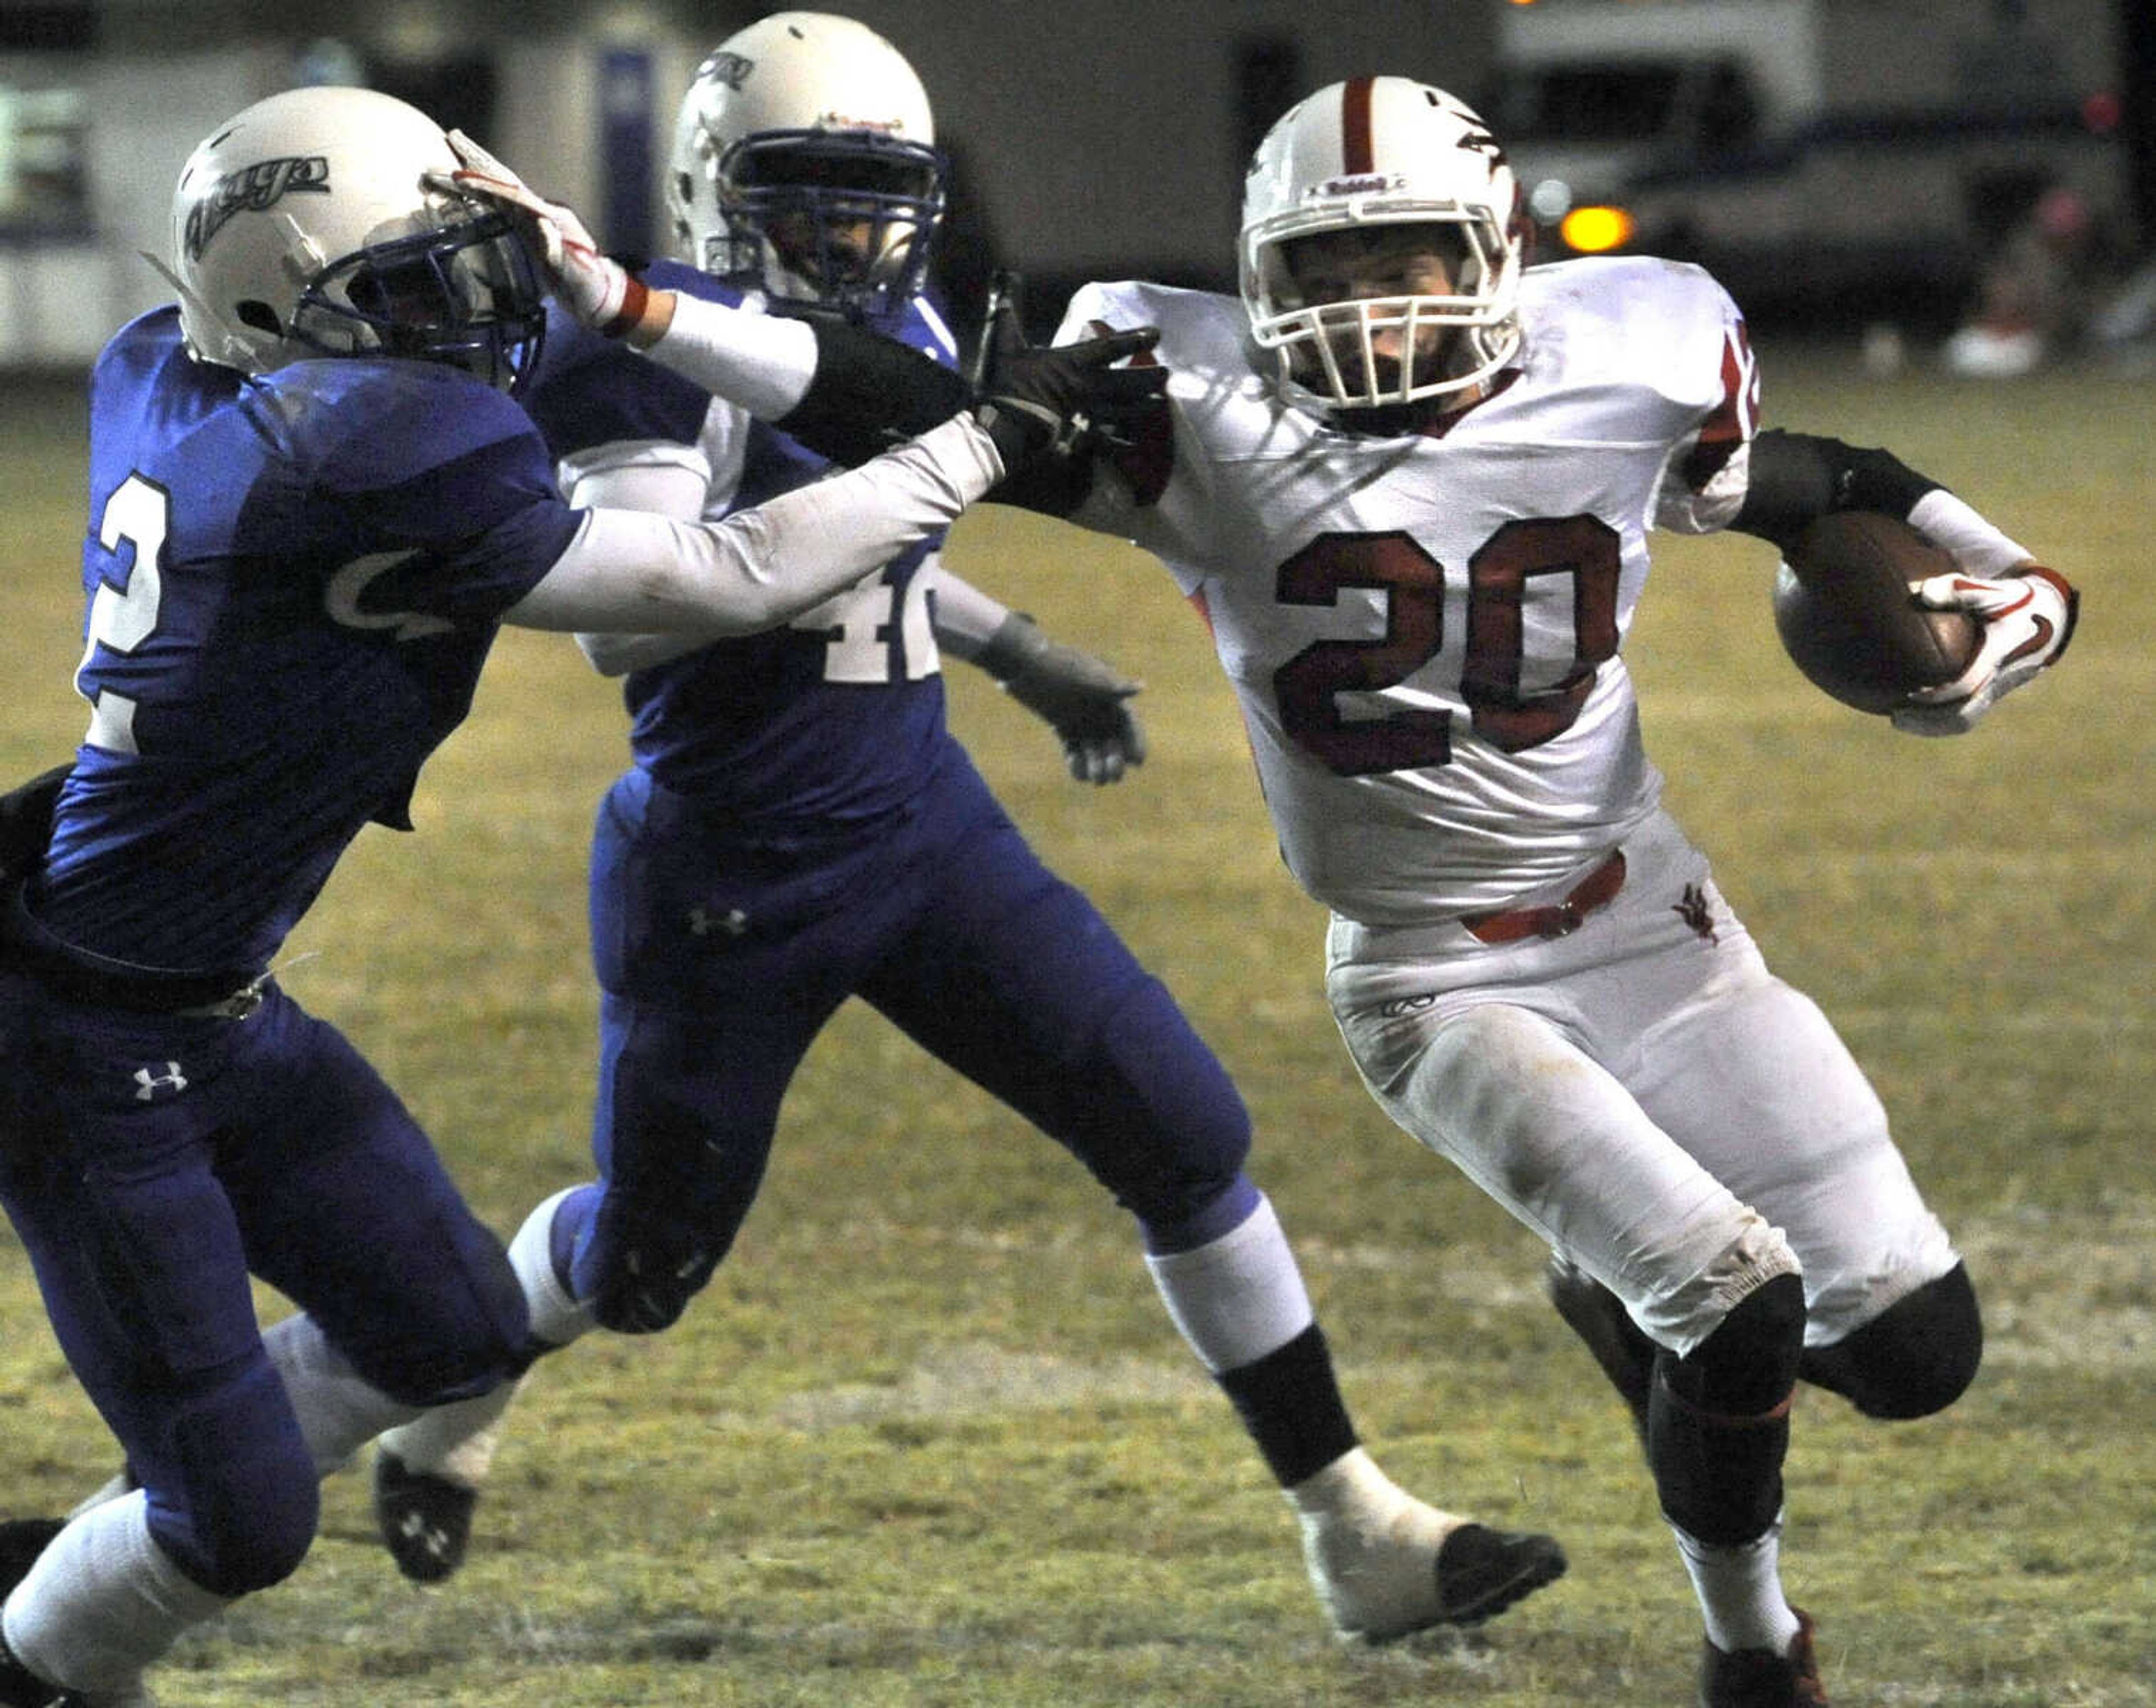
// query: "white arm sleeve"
[[760, 363], [761, 567], [966, 617], [672, 481]]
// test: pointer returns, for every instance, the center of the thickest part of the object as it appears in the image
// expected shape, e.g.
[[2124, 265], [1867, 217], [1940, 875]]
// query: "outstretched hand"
[[598, 291], [1085, 699], [1058, 401]]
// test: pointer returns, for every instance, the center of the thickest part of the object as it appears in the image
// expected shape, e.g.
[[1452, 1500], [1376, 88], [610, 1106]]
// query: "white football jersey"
[[1424, 631]]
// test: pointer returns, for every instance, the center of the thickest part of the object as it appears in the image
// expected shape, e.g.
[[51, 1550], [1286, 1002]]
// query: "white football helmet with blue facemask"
[[805, 167], [306, 226]]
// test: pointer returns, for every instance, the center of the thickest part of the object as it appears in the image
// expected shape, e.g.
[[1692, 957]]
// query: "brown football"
[[1847, 619]]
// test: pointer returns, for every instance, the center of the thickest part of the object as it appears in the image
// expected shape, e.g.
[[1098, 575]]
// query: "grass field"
[[928, 1438]]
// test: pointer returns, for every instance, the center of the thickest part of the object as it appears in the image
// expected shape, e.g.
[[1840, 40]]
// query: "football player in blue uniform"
[[312, 503], [799, 827]]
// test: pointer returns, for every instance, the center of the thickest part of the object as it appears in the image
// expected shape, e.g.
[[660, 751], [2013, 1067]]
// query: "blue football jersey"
[[292, 582], [838, 716]]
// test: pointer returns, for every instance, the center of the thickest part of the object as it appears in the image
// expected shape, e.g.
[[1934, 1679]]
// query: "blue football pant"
[[722, 954], [150, 1164]]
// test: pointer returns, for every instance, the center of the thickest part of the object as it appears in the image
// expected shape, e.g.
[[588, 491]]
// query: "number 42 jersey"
[[1423, 630]]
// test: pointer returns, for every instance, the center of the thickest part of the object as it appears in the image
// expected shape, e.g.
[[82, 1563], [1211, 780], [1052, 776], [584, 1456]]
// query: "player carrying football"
[[1407, 483]]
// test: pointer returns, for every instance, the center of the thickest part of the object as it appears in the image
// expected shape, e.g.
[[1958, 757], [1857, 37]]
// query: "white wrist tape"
[[757, 362], [1974, 544]]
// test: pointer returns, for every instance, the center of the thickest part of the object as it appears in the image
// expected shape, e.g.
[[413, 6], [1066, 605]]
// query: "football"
[[1848, 621]]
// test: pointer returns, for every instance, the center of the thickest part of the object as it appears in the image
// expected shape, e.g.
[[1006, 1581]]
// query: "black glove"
[[1056, 402]]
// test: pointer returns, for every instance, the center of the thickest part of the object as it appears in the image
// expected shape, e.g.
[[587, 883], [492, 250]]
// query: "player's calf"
[[427, 1473], [1620, 1347]]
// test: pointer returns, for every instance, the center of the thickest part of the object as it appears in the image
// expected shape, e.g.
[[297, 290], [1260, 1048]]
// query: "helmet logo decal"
[[732, 69], [831, 119], [258, 186], [1478, 141], [1360, 184]]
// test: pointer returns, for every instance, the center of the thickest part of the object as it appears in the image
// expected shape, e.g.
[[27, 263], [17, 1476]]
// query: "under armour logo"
[[1691, 907], [147, 1083], [702, 922], [435, 1541]]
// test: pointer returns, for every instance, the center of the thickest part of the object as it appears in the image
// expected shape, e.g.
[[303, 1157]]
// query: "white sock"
[[1239, 1297], [457, 1441], [102, 1603], [557, 1317], [339, 1410], [1740, 1592]]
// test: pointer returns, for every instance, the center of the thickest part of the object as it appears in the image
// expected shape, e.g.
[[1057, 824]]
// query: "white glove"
[[1085, 701], [2028, 618], [598, 291]]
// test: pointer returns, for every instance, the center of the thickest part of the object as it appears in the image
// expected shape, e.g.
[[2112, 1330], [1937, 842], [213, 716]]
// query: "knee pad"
[[236, 1499], [641, 1266], [1749, 1364], [1718, 1422], [1915, 1358], [466, 1331]]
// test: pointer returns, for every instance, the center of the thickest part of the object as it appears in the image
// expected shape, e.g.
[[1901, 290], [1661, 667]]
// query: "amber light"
[[1591, 231]]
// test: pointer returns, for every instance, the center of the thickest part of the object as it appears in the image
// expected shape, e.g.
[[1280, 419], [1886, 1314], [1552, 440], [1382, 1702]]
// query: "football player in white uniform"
[[1408, 483]]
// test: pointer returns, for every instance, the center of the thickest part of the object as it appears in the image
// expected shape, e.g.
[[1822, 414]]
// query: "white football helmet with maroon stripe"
[[805, 166], [1376, 152]]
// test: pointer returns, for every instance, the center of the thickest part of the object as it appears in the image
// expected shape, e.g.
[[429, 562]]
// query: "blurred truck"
[[1822, 155]]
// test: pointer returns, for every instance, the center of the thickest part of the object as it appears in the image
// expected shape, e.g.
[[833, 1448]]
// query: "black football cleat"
[[425, 1521], [1482, 1571], [1599, 1317], [1759, 1678]]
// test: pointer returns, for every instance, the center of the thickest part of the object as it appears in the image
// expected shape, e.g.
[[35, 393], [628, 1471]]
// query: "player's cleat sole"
[[1597, 1315], [425, 1521], [1759, 1678], [1482, 1571]]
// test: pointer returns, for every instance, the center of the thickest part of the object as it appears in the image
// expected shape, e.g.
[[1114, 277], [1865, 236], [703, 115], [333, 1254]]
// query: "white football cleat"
[[1386, 1564]]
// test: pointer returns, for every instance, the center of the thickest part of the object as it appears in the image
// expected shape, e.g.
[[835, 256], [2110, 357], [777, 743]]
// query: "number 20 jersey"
[[1423, 630]]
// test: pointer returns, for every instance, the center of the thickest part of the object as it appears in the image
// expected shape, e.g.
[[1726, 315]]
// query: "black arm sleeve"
[[869, 393], [1796, 477]]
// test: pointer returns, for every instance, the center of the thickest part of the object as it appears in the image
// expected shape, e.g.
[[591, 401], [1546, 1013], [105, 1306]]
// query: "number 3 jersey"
[[292, 583], [1423, 630]]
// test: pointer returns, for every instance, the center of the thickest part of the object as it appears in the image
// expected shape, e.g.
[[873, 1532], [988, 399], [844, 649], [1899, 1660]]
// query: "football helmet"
[[805, 166], [306, 226], [1372, 153]]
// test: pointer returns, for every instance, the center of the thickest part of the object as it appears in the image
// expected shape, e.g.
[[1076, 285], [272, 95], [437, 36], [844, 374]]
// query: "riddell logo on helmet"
[[258, 186], [843, 122], [1362, 184]]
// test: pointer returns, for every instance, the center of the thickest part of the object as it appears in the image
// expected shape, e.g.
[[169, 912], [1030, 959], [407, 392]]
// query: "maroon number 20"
[[1308, 686]]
